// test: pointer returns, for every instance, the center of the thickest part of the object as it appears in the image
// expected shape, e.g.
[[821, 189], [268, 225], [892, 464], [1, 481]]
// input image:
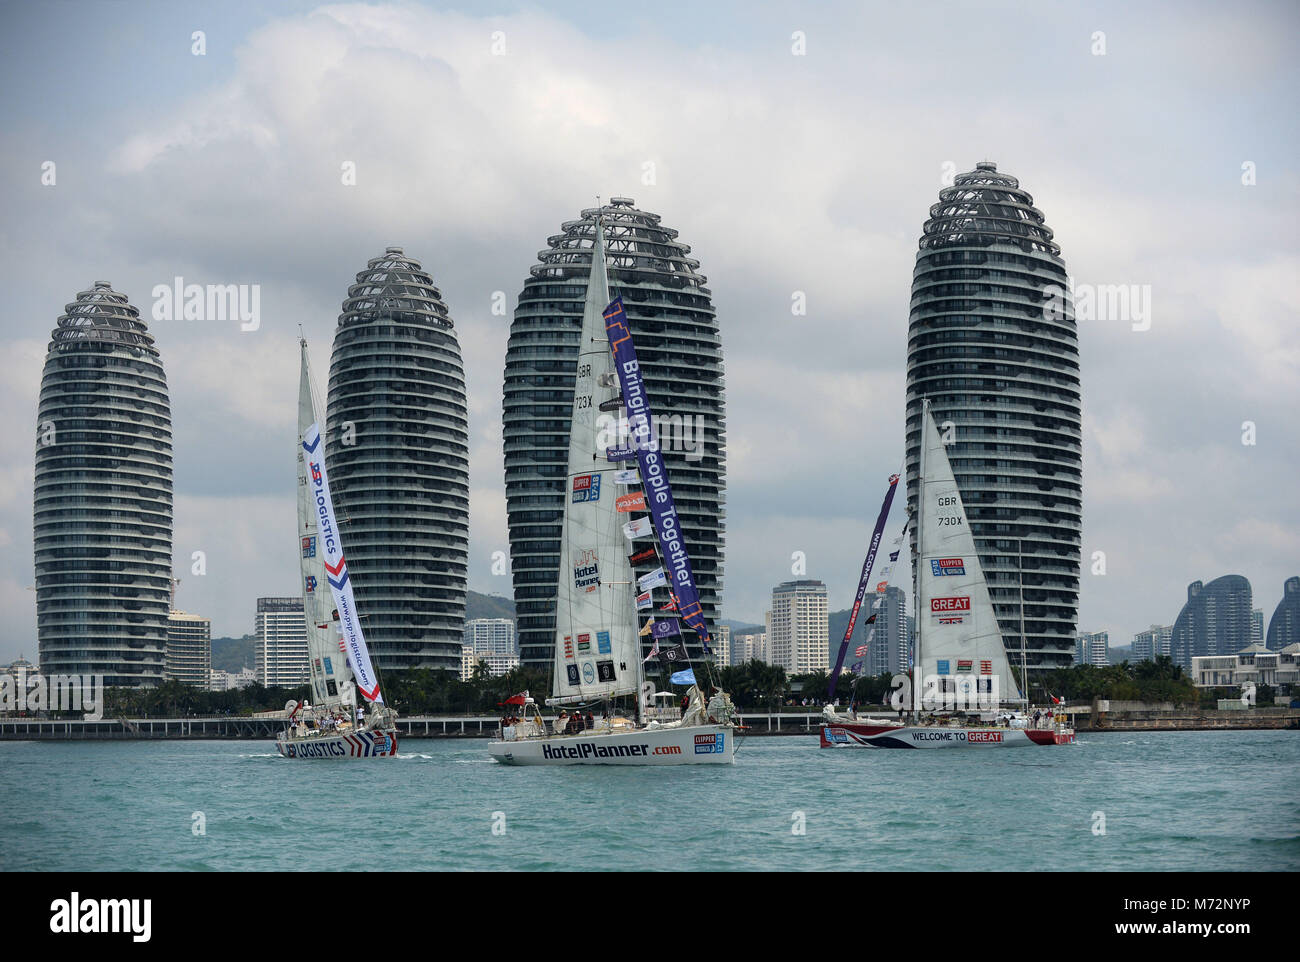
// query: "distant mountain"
[[742, 627], [488, 606], [233, 654], [1115, 656]]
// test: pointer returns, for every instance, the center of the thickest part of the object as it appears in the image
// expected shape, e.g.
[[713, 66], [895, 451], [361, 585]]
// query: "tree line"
[[753, 686]]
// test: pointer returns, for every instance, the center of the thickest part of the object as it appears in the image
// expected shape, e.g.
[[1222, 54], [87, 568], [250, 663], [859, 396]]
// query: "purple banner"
[[654, 473], [665, 629], [862, 586]]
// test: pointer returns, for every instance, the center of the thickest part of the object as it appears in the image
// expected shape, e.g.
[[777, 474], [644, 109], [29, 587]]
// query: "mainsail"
[[596, 643], [329, 546], [331, 679], [957, 631]]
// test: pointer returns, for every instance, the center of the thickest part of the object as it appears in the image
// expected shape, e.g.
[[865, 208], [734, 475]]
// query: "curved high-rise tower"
[[398, 454], [1215, 620], [676, 333], [102, 509], [992, 343]]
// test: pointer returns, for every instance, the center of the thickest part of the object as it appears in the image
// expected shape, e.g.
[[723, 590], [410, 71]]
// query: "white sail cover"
[[331, 680], [957, 631], [330, 545], [595, 601]]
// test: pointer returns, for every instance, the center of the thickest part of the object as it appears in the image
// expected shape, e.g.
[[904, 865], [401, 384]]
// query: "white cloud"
[[783, 174]]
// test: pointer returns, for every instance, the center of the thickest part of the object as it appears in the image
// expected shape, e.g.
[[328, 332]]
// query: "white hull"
[[694, 745], [849, 735], [344, 745]]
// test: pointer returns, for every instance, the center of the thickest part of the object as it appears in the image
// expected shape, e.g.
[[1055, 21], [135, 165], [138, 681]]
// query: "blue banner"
[[654, 473], [862, 586], [686, 677]]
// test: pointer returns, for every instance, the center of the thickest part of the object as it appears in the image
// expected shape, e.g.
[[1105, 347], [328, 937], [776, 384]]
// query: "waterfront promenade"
[[484, 726]]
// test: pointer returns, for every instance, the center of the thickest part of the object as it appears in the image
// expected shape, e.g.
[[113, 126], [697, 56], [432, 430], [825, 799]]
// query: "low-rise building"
[[1254, 664]]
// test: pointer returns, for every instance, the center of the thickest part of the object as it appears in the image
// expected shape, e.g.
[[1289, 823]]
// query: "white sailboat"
[[597, 640], [960, 662], [331, 725]]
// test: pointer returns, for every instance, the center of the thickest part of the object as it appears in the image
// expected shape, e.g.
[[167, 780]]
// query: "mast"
[[920, 550], [1020, 586]]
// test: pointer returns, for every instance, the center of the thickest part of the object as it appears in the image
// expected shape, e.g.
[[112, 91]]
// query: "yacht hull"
[[849, 735], [696, 745], [379, 743]]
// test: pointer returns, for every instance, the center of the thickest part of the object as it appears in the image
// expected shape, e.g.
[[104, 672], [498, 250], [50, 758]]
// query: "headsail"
[[958, 630], [331, 680], [863, 581], [596, 644]]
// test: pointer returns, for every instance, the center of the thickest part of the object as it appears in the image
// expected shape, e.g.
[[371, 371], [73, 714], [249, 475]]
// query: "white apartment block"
[[281, 646], [797, 628], [494, 635]]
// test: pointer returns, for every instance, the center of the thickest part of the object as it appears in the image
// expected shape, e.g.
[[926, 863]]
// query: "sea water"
[[1164, 801]]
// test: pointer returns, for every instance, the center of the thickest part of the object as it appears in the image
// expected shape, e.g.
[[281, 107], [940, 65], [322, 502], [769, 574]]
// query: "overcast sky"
[[795, 149]]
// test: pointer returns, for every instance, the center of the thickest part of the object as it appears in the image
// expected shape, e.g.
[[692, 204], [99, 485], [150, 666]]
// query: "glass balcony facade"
[[673, 324], [992, 343], [102, 511], [397, 449]]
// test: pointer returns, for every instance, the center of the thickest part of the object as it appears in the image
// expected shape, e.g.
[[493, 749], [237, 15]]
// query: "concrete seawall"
[[1253, 719]]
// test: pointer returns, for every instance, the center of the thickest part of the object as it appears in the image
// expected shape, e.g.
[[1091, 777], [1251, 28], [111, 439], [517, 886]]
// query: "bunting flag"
[[666, 628], [642, 556], [628, 476], [654, 472], [643, 601], [654, 579], [638, 529], [649, 626], [654, 651], [677, 653], [686, 677], [862, 585], [627, 503]]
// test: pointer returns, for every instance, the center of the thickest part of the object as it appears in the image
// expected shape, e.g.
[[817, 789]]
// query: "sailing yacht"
[[598, 596], [331, 725], [961, 674]]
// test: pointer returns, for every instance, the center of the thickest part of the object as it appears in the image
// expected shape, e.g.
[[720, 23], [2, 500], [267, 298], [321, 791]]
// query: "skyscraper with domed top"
[[398, 453], [1284, 626], [670, 313], [102, 504], [992, 343]]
